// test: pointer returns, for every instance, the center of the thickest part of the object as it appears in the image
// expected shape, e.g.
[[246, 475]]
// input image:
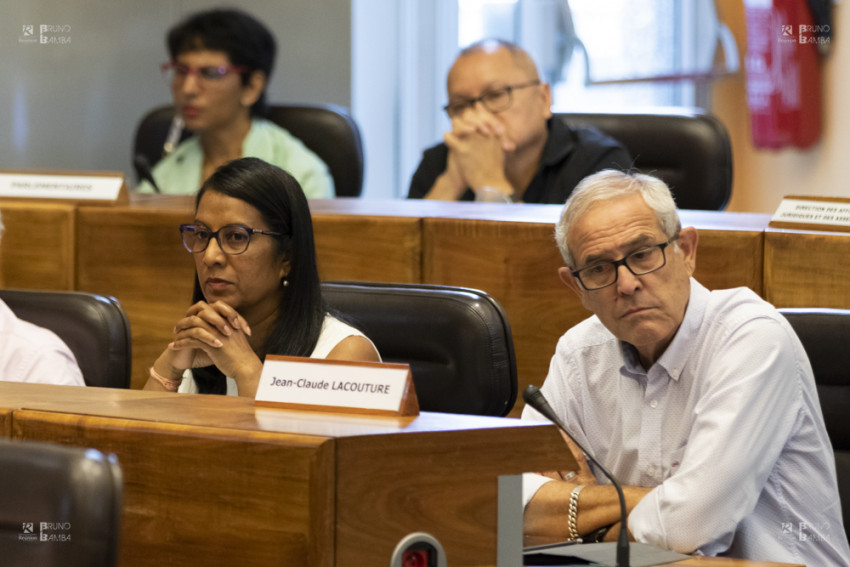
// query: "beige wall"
[[762, 177]]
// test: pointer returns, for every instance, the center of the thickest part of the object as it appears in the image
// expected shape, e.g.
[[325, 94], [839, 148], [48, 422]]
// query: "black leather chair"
[[328, 130], [690, 151], [825, 334], [59, 506], [457, 341], [94, 327]]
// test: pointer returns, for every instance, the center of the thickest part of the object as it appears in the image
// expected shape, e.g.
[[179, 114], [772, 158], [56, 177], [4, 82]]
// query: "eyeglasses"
[[209, 73], [640, 262], [495, 100], [232, 238]]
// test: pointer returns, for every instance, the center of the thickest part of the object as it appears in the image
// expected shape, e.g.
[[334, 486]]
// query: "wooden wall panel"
[[37, 249]]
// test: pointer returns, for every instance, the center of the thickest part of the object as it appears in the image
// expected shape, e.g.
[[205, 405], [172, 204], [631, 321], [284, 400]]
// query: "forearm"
[[547, 514], [166, 372], [248, 377], [445, 188]]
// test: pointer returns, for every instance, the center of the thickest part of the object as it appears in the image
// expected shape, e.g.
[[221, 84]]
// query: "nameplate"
[[337, 386], [813, 213], [93, 186]]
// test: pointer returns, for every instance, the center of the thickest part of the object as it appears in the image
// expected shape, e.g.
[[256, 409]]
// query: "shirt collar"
[[559, 142]]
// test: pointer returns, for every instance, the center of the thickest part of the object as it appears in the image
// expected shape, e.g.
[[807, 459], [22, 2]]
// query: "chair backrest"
[[94, 327], [825, 334], [690, 151], [59, 506], [457, 341], [327, 129]]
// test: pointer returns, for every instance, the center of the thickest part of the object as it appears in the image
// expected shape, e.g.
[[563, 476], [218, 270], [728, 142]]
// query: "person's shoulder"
[[741, 307], [588, 334]]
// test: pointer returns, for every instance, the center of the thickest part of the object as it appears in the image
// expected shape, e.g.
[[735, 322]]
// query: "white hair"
[[611, 183]]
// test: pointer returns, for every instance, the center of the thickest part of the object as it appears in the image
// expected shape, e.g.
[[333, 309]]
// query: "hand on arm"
[[546, 516]]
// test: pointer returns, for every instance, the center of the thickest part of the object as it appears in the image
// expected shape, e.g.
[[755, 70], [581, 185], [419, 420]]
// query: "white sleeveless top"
[[333, 332]]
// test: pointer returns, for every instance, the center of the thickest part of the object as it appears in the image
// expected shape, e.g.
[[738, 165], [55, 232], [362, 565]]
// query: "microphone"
[[535, 398], [175, 131], [143, 168]]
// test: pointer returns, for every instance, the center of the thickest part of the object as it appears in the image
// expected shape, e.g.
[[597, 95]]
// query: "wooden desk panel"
[[449, 490], [368, 248], [807, 268], [209, 480], [206, 496], [135, 255], [5, 422], [37, 249], [517, 263], [730, 258]]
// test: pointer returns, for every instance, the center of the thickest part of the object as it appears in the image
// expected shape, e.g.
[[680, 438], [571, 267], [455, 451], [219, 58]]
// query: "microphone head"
[[531, 393]]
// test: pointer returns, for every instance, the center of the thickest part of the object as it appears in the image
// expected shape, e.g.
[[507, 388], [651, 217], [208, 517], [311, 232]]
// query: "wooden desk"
[[37, 249], [209, 480], [807, 268]]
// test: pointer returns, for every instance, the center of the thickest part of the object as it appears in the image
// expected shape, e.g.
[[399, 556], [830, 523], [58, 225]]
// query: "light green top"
[[180, 172]]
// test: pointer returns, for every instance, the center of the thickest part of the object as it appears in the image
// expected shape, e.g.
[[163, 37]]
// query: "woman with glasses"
[[257, 289], [221, 62]]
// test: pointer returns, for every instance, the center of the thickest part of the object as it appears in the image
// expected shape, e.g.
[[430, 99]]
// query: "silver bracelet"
[[572, 518]]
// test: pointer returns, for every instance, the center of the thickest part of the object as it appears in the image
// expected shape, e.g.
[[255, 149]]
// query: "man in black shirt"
[[504, 144]]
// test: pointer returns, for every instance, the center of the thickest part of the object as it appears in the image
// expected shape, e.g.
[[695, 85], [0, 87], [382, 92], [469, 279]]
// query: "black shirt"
[[570, 155]]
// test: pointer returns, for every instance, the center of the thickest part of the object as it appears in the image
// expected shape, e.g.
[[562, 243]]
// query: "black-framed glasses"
[[232, 238], [494, 100], [208, 73], [640, 262]]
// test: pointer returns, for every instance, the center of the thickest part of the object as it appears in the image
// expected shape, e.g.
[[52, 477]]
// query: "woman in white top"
[[257, 287]]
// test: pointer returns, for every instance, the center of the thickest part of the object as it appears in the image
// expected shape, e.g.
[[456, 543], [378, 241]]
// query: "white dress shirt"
[[29, 353], [726, 426]]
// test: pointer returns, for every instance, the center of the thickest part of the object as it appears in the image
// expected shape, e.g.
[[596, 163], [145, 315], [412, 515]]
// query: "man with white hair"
[[702, 403], [29, 353]]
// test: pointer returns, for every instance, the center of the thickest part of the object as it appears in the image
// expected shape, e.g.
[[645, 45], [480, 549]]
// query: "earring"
[[285, 282]]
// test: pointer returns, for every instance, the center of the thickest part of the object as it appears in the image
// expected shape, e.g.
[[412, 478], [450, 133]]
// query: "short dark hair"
[[246, 41], [281, 202]]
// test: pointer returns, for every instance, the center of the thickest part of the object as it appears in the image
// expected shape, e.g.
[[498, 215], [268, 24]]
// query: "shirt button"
[[653, 404]]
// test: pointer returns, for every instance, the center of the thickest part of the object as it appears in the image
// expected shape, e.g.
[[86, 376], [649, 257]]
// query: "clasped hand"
[[213, 333], [477, 146]]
